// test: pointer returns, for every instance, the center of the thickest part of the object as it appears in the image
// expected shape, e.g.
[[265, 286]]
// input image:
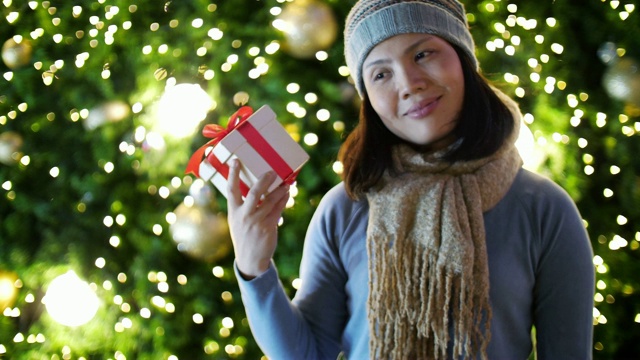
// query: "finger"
[[259, 189], [234, 198], [281, 196], [271, 202]]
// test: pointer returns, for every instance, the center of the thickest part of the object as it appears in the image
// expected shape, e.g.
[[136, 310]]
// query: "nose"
[[412, 80]]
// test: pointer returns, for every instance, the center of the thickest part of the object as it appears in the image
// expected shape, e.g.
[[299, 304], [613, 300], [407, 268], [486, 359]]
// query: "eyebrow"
[[411, 48]]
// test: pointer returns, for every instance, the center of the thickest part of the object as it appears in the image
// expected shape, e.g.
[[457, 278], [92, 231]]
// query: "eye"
[[379, 75], [423, 54]]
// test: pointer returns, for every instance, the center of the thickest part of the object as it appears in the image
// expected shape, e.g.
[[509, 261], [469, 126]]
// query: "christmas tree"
[[108, 250]]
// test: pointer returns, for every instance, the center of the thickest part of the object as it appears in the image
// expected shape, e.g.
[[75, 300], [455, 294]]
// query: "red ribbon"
[[266, 151], [216, 133]]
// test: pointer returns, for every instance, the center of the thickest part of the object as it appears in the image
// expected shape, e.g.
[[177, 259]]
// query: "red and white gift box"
[[260, 143]]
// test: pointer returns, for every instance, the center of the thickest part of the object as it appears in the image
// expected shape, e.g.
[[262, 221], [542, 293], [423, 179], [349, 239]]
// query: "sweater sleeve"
[[564, 290], [310, 326]]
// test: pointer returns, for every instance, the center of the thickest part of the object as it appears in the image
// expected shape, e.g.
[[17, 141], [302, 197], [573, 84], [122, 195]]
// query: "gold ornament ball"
[[16, 55], [622, 80], [109, 112], [308, 26], [200, 233], [10, 144]]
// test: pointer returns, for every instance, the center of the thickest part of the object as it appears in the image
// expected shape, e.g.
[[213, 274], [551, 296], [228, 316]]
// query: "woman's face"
[[415, 84]]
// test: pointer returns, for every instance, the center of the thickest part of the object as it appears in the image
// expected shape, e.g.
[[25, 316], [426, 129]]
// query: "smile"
[[423, 108]]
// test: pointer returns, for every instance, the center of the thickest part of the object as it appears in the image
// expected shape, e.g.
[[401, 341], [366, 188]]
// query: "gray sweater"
[[541, 275]]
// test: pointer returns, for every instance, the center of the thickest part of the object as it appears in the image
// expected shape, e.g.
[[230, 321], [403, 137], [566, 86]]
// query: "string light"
[[182, 108], [70, 301]]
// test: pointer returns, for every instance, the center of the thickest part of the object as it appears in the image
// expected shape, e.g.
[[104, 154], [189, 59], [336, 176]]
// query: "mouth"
[[423, 108]]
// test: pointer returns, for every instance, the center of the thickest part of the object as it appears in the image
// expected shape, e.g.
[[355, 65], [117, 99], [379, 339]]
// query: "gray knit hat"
[[372, 21]]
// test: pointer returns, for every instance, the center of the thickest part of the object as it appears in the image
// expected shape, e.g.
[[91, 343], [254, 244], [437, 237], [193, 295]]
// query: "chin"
[[433, 145], [422, 148]]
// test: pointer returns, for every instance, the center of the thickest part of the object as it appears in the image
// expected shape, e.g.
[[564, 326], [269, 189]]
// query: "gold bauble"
[[621, 80], [111, 111], [308, 26], [10, 143], [16, 55], [200, 233]]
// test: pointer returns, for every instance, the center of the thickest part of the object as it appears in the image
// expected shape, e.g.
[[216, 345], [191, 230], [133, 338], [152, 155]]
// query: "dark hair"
[[484, 123]]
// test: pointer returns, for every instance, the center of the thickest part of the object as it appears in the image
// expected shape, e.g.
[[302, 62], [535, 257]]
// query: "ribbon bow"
[[216, 133]]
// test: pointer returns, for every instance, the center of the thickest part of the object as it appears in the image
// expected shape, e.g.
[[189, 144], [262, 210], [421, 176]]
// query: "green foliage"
[[102, 192]]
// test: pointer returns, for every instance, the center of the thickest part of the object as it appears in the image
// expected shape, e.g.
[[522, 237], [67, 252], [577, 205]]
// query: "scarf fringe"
[[416, 320]]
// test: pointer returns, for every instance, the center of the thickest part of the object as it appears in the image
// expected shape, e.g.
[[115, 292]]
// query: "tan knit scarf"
[[428, 271]]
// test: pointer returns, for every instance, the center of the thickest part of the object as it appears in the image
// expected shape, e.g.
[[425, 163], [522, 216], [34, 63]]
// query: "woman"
[[437, 244]]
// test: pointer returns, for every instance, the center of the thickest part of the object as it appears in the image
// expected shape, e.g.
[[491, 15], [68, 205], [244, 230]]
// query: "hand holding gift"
[[253, 222], [248, 162]]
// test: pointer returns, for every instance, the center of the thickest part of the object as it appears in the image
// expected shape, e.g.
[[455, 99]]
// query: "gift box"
[[261, 144]]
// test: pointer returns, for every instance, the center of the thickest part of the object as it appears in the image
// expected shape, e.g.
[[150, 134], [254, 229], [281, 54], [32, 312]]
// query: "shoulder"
[[536, 190], [538, 204], [535, 204], [336, 201], [337, 211]]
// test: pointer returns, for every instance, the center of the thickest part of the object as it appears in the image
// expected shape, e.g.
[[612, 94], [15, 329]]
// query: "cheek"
[[381, 102], [456, 79], [460, 94], [384, 108], [385, 114]]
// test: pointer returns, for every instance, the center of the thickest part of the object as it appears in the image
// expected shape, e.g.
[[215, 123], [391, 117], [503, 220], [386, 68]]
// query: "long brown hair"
[[483, 125]]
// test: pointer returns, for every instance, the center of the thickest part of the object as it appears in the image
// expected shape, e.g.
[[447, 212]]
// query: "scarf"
[[428, 271]]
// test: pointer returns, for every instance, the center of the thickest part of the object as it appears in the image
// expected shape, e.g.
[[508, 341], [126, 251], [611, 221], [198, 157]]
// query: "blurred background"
[[109, 251]]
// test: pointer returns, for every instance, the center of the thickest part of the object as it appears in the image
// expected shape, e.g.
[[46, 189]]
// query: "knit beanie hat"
[[372, 21]]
